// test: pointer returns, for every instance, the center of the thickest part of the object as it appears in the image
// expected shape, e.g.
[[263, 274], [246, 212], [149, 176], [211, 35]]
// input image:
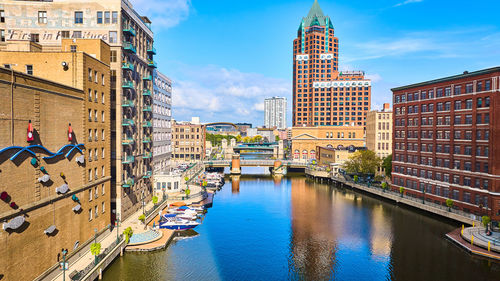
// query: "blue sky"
[[226, 57]]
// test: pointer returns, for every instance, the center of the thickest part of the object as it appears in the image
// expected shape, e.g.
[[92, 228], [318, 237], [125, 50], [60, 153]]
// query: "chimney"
[[387, 107]]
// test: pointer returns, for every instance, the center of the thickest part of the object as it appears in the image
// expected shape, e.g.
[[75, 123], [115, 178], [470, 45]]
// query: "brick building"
[[188, 141], [323, 95], [162, 123], [58, 191], [306, 139], [130, 38], [443, 148], [379, 131]]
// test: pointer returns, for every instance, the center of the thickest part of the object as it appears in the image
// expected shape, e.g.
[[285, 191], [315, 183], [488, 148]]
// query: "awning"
[[80, 159], [44, 178], [49, 230], [62, 189], [15, 223], [77, 208], [178, 204]]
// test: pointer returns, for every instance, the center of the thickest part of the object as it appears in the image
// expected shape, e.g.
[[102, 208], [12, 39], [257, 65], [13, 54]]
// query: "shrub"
[[155, 199], [356, 178], [128, 232], [401, 190], [449, 203], [485, 220], [95, 249], [142, 218]]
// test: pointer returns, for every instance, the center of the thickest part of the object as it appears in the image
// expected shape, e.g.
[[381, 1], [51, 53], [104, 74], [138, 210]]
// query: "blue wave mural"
[[28, 149]]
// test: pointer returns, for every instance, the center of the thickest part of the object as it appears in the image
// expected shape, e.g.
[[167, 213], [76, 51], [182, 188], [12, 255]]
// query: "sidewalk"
[[88, 258]]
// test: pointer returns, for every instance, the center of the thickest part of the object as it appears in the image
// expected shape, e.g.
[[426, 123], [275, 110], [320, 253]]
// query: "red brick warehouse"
[[323, 96], [443, 141]]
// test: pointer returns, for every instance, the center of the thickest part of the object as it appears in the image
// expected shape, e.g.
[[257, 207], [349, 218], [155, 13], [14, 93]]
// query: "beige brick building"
[[379, 131], [306, 139], [130, 38], [188, 141], [62, 197]]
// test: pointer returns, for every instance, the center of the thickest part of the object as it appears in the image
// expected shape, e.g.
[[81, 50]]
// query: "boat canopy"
[[178, 204]]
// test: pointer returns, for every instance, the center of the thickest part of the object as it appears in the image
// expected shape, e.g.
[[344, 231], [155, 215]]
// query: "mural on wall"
[[28, 149]]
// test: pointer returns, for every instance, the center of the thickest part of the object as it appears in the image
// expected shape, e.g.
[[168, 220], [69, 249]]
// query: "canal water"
[[291, 228]]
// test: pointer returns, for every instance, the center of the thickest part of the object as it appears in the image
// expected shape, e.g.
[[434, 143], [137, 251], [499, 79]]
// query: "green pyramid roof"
[[315, 14]]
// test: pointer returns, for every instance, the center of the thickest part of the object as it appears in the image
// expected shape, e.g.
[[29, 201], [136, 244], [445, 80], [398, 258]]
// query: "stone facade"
[[131, 40], [306, 139], [188, 141], [379, 131], [50, 107]]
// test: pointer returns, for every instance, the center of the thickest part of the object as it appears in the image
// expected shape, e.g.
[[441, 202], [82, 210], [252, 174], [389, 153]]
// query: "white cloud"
[[374, 77], [163, 13], [219, 94], [407, 2]]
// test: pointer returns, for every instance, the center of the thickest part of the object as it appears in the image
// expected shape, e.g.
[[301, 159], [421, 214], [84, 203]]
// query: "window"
[[96, 211], [35, 37], [113, 37], [77, 34], [113, 56], [102, 136], [114, 17], [103, 174], [102, 82], [65, 34], [99, 17], [90, 214], [2, 16], [29, 69], [90, 75], [103, 189], [107, 17], [96, 80], [73, 48], [102, 94], [102, 116], [78, 17], [102, 207], [90, 193], [2, 35], [42, 17], [102, 152]]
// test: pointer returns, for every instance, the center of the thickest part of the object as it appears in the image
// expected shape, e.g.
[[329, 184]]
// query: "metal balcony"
[[147, 108], [147, 124], [148, 174], [146, 140], [146, 93], [152, 63], [128, 103], [129, 30], [128, 122], [128, 66], [128, 84], [128, 159], [128, 141], [148, 78], [128, 183], [147, 155], [127, 46], [152, 50]]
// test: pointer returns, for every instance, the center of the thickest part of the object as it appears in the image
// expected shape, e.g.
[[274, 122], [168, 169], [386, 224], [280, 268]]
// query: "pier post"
[[277, 169]]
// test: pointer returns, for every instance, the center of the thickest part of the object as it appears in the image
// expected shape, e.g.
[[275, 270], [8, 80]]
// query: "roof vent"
[[466, 72]]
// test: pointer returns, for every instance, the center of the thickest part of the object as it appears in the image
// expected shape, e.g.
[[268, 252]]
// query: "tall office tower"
[[445, 141], [162, 123], [275, 113], [323, 96], [131, 40]]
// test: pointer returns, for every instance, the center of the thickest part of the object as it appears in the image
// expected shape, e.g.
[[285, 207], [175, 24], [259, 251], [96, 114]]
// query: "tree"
[[257, 139], [363, 162], [238, 138], [95, 250], [142, 218], [247, 139], [449, 203], [401, 190], [277, 138], [356, 179], [387, 165], [155, 200], [485, 220], [384, 185], [128, 232]]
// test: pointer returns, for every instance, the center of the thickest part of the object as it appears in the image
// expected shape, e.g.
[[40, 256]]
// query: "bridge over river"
[[236, 163]]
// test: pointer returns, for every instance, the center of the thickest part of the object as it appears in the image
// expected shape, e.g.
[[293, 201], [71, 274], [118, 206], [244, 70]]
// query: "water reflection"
[[235, 184]]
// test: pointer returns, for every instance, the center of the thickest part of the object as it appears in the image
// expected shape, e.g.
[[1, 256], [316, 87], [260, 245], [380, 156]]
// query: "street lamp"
[[423, 198], [95, 242], [64, 252], [117, 229], [143, 212]]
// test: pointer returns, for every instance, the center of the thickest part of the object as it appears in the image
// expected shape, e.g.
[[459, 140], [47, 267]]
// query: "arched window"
[[312, 155]]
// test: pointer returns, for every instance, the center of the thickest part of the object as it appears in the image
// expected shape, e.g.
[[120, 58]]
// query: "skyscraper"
[[275, 112], [323, 96]]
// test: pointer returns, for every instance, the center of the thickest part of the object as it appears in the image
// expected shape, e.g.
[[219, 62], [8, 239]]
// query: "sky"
[[225, 57]]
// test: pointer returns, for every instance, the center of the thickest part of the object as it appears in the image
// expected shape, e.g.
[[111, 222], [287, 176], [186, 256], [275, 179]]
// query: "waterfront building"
[[56, 151], [162, 123], [267, 134], [379, 131], [188, 141], [242, 128], [131, 41], [323, 95], [329, 155], [443, 141], [306, 139], [275, 112]]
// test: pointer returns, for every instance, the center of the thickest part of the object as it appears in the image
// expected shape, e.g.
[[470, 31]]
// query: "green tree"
[[95, 250], [238, 138], [155, 200], [449, 203], [364, 162], [257, 139], [356, 179], [128, 232], [485, 220], [277, 138], [387, 165], [401, 190], [142, 218], [247, 139]]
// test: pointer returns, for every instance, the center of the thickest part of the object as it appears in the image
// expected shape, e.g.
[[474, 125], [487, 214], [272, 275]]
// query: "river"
[[261, 228]]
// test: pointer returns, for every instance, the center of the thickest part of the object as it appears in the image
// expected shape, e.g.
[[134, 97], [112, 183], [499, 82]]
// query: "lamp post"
[[95, 242], [423, 198], [64, 252], [143, 212], [117, 229]]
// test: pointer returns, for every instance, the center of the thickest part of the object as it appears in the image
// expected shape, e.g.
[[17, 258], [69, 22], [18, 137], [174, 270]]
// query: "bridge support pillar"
[[278, 168], [235, 184], [235, 165]]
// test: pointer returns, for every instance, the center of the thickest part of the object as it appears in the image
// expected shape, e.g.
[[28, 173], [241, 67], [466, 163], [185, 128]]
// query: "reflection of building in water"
[[235, 184], [277, 180], [313, 235], [381, 232]]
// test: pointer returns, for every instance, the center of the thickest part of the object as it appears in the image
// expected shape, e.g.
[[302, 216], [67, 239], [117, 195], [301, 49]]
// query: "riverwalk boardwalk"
[[475, 241]]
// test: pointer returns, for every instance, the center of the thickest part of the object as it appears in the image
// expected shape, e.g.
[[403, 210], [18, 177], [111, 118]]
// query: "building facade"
[[188, 141], [329, 155], [56, 158], [444, 132], [130, 38], [275, 113], [306, 139], [162, 123], [323, 95], [379, 131]]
